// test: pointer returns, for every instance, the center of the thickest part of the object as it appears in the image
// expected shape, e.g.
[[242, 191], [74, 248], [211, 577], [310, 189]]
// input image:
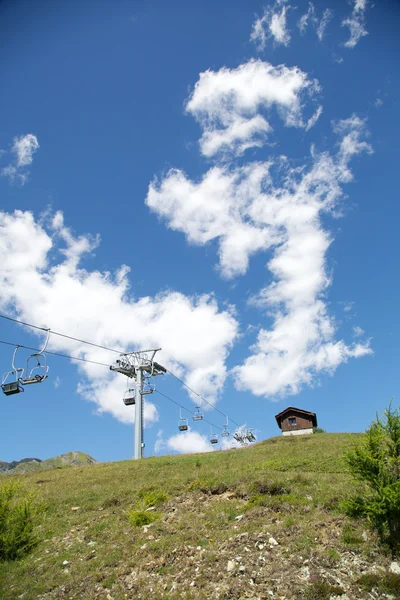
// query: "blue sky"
[[219, 179]]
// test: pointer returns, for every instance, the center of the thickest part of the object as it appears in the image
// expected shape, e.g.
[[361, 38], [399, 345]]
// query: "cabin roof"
[[280, 416]]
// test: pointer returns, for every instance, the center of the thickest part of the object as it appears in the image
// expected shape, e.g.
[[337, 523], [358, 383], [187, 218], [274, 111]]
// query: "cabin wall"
[[298, 431], [302, 422]]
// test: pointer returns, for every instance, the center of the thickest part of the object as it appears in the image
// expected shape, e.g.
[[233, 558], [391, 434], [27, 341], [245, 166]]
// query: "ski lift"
[[183, 423], [213, 437], [238, 436], [39, 371], [148, 388], [225, 429], [130, 397], [13, 387], [198, 415], [250, 436]]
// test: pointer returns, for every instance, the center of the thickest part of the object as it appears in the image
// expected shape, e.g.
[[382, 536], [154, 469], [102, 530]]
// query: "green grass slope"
[[258, 522], [64, 460]]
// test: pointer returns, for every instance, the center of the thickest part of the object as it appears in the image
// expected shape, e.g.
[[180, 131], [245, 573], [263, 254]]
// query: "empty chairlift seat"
[[183, 425], [130, 397], [14, 387], [198, 415], [11, 381]]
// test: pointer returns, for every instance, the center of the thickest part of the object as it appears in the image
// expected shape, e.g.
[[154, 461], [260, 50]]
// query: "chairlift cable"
[[201, 397], [93, 362], [187, 409], [64, 335], [69, 337]]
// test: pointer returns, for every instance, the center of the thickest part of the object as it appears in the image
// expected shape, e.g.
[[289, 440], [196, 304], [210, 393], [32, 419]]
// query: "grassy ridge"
[[64, 460], [209, 534]]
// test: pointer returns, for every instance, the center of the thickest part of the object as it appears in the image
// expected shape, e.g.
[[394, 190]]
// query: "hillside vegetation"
[[28, 465], [258, 522]]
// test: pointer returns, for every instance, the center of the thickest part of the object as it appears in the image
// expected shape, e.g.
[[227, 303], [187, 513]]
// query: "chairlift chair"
[[39, 371], [213, 437], [183, 423], [130, 397], [13, 387], [225, 429], [148, 388], [198, 415], [250, 436], [238, 436]]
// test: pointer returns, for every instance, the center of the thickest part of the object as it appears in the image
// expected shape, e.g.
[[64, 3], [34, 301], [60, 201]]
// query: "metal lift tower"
[[139, 366]]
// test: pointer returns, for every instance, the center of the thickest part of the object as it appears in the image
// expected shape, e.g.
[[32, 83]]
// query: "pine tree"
[[376, 463]]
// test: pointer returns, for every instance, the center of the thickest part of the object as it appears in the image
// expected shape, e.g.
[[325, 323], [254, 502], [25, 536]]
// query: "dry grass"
[[285, 488]]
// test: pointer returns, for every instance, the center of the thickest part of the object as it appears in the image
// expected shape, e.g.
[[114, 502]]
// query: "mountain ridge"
[[29, 465]]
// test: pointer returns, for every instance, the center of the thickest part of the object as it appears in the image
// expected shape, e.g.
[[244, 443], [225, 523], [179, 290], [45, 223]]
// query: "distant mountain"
[[28, 465], [5, 466]]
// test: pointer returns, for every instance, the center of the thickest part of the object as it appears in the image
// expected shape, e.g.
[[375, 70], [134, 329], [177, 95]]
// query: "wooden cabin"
[[296, 421]]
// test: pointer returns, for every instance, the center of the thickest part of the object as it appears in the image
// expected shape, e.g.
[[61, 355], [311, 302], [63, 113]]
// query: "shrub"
[[351, 537], [386, 582], [318, 430], [319, 589], [142, 517], [270, 488], [152, 497], [376, 462], [19, 516]]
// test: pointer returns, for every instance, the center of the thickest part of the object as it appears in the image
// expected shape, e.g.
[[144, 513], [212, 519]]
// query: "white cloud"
[[227, 104], [352, 142], [273, 24], [323, 23], [314, 118], [160, 443], [189, 442], [42, 282], [358, 331], [356, 23], [241, 134], [23, 148], [57, 382], [319, 25], [275, 206], [211, 209], [348, 306]]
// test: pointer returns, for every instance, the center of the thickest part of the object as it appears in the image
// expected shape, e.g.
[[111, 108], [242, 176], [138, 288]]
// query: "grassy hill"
[[28, 465], [64, 460], [258, 522]]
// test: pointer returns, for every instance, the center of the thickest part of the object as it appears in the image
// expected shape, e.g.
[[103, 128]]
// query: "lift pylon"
[[140, 366]]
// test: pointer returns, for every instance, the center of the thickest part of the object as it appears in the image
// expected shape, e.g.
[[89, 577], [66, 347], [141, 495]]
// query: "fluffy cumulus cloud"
[[274, 205], [23, 149], [356, 23], [41, 259], [189, 442], [231, 105], [272, 25], [192, 442], [318, 24]]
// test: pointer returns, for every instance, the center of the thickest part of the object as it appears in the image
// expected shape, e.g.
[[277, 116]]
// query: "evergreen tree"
[[376, 463]]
